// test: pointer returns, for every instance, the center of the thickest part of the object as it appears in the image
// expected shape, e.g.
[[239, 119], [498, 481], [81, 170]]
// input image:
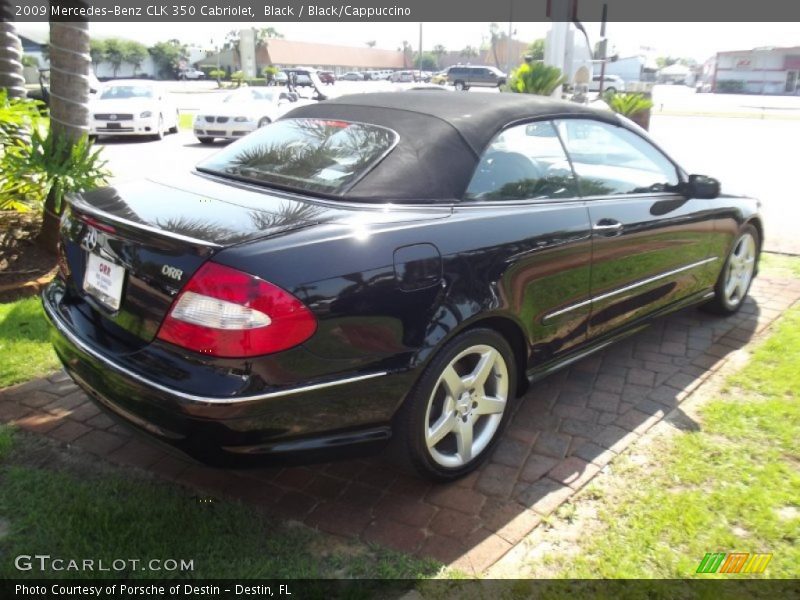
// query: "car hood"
[[122, 105]]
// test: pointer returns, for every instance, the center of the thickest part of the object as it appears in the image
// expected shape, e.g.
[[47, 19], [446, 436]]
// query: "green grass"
[[780, 265], [731, 486], [24, 344], [83, 511]]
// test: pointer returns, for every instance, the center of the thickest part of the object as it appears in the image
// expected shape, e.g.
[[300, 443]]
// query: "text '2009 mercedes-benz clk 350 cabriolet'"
[[384, 268]]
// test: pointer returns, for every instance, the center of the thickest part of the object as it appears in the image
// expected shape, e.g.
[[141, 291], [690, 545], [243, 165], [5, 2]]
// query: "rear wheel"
[[459, 407], [206, 140], [459, 85], [737, 274], [264, 121]]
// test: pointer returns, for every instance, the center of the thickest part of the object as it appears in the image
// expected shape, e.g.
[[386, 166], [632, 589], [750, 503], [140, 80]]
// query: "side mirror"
[[702, 187]]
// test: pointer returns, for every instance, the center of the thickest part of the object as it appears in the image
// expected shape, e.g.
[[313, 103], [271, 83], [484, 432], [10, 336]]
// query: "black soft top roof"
[[442, 136]]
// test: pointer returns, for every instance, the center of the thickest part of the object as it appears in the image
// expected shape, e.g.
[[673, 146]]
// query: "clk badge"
[[89, 240]]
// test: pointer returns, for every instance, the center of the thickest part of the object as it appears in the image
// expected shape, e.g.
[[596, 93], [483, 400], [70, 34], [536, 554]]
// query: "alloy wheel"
[[740, 269], [466, 406]]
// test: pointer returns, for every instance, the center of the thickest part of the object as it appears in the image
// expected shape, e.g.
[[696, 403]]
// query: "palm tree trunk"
[[69, 99], [11, 76]]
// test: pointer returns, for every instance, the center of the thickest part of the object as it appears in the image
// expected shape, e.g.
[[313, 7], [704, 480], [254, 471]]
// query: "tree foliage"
[[168, 56]]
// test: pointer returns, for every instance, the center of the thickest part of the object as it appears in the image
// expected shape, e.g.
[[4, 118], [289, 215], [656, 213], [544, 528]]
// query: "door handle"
[[607, 227]]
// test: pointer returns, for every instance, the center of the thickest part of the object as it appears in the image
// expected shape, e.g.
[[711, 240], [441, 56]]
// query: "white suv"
[[612, 83]]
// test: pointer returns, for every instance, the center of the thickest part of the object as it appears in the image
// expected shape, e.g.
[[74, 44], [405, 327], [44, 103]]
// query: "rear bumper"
[[319, 421]]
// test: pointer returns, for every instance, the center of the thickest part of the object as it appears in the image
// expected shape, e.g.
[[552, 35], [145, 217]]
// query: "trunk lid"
[[141, 242]]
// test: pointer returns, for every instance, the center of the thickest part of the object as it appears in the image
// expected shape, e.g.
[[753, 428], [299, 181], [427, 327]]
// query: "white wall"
[[106, 69]]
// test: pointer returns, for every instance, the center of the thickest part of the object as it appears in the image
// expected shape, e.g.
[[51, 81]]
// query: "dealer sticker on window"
[[103, 280]]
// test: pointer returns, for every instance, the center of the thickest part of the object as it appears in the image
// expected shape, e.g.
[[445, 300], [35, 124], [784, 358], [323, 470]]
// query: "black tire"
[[459, 85], [263, 122], [206, 140], [174, 128], [610, 90], [428, 403], [723, 303]]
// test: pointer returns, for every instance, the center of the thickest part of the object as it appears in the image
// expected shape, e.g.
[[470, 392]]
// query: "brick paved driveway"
[[565, 430]]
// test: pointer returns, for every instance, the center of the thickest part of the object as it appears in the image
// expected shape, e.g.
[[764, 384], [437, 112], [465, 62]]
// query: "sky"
[[689, 40]]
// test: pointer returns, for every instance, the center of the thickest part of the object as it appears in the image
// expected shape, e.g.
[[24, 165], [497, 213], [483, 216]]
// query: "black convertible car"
[[384, 268]]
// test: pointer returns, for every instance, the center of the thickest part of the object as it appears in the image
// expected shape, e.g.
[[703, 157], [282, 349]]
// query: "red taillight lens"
[[227, 313]]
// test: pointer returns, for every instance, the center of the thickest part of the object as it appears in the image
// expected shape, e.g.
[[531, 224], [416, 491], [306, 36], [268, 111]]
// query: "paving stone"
[[9, 411], [593, 453], [544, 495], [497, 480], [641, 377], [509, 520], [38, 422], [485, 549], [137, 454], [442, 548], [537, 467], [511, 452], [296, 478], [323, 487], [452, 497], [610, 383], [68, 402], [552, 444], [84, 412], [361, 495], [452, 523], [295, 505], [100, 421], [574, 472], [69, 431], [37, 399], [580, 428], [100, 443], [606, 401], [578, 413], [392, 534], [339, 518], [405, 510]]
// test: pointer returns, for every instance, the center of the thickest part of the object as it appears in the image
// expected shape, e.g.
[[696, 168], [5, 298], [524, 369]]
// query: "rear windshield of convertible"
[[316, 155]]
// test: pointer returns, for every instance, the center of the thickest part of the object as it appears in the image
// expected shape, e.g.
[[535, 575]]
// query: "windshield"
[[314, 155], [248, 95], [121, 92]]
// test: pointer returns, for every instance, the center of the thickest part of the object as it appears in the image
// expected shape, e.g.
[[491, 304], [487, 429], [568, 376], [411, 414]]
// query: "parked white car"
[[612, 83], [244, 111], [192, 74], [133, 107]]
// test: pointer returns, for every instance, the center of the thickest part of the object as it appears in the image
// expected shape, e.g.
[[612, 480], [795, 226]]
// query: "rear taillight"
[[227, 313]]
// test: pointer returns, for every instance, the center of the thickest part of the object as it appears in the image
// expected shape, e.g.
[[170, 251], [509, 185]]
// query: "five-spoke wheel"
[[737, 273], [459, 406]]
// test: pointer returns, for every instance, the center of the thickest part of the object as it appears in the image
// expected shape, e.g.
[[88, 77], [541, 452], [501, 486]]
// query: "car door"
[[524, 207], [650, 243]]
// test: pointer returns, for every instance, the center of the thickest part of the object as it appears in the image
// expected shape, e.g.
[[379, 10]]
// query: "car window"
[[523, 162], [612, 160], [124, 92], [307, 154]]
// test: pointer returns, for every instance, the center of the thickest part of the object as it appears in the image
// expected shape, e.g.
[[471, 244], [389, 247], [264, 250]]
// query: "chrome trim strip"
[[191, 397], [87, 208], [627, 288]]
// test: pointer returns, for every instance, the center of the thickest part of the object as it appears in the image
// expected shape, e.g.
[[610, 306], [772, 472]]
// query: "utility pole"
[[603, 50], [420, 51], [508, 39]]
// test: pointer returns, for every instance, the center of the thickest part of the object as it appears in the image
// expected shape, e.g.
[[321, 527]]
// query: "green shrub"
[[536, 78], [256, 81], [627, 104]]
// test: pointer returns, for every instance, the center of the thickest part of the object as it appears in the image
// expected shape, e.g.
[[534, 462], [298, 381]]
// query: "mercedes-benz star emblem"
[[89, 240], [112, 117]]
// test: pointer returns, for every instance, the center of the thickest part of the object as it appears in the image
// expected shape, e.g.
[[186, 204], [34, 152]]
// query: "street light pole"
[[419, 66]]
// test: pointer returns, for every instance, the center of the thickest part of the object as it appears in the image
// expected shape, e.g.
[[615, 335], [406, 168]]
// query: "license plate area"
[[113, 125], [103, 281]]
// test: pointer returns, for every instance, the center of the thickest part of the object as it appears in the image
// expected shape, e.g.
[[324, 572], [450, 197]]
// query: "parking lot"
[[750, 156]]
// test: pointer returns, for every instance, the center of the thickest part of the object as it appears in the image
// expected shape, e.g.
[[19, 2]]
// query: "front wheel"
[[737, 273], [459, 85], [174, 128], [206, 140], [459, 407], [263, 122], [159, 135]]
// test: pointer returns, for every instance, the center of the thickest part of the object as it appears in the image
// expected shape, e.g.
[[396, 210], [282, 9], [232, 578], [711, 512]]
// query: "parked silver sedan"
[[242, 112]]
